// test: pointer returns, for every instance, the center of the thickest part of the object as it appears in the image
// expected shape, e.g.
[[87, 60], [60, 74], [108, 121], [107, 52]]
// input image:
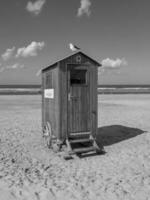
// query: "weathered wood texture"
[[79, 114], [92, 94], [50, 111], [93, 99], [79, 103]]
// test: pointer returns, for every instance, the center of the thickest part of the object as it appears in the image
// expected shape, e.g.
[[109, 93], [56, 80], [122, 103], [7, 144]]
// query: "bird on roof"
[[73, 47]]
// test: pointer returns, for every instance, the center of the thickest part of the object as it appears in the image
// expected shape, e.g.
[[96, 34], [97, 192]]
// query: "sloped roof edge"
[[54, 63]]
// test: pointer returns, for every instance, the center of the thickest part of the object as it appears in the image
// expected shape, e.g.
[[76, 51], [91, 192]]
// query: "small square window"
[[78, 77]]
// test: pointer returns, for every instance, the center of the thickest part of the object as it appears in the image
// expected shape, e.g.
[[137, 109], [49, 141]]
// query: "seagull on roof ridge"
[[73, 47]]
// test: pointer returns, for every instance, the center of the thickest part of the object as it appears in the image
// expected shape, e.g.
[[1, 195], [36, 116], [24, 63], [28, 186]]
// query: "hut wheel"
[[48, 135]]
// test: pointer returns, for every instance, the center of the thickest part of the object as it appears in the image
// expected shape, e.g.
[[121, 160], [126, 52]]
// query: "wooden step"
[[84, 149], [81, 140], [79, 134]]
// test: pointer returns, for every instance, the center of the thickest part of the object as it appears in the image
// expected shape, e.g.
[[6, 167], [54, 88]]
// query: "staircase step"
[[79, 134], [82, 140], [84, 149]]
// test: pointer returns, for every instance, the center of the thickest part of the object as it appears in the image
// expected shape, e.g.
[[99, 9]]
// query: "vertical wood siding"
[[64, 94], [51, 106], [56, 110], [93, 99]]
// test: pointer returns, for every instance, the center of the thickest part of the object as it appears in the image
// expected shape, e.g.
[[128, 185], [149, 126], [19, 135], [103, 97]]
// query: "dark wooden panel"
[[43, 110], [50, 107], [56, 110], [49, 79], [79, 103], [92, 104], [63, 99], [93, 100]]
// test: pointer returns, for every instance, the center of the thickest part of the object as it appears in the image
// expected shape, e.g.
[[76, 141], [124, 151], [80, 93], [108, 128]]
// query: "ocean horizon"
[[99, 86], [102, 89]]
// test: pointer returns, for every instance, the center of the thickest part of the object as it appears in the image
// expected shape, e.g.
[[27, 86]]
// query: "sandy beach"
[[30, 171]]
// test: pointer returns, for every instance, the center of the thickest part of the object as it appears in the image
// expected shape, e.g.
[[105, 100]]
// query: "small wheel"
[[48, 135]]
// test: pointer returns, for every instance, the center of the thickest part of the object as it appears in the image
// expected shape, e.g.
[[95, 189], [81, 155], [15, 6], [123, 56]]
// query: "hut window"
[[49, 80], [78, 76]]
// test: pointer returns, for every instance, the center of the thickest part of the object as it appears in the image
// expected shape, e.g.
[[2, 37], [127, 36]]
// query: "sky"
[[34, 33]]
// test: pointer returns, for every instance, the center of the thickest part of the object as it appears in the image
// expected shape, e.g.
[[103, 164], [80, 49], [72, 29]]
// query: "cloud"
[[8, 53], [84, 8], [30, 50], [113, 64], [13, 67], [2, 69], [35, 7]]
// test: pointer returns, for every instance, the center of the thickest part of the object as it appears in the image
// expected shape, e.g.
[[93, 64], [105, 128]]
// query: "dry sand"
[[29, 171]]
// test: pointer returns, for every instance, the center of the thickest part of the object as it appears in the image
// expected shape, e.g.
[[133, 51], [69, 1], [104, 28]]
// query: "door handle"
[[72, 97]]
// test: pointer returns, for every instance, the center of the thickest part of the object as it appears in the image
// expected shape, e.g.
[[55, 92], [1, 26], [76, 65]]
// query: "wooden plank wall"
[[93, 99], [43, 110], [79, 110], [64, 93], [50, 107]]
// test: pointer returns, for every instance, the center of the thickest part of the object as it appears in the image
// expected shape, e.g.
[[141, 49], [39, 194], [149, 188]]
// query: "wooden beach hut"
[[69, 103]]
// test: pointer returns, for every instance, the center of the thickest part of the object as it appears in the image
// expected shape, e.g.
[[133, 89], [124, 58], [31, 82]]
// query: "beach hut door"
[[78, 99]]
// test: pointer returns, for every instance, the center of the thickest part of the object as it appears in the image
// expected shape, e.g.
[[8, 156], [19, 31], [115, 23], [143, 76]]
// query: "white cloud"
[[113, 64], [8, 53], [35, 7], [84, 8], [2, 69], [30, 50], [13, 67]]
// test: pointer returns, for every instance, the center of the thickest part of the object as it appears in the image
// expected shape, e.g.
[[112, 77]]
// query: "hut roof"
[[77, 52]]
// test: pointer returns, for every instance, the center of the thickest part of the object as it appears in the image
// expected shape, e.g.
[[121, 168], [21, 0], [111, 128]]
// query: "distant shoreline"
[[124, 89], [102, 89], [20, 86], [124, 86], [20, 91], [32, 86]]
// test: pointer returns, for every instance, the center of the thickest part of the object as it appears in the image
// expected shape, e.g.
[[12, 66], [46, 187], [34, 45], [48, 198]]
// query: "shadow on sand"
[[108, 135]]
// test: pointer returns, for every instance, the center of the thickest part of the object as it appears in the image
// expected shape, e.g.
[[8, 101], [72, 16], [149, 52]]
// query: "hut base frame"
[[76, 143], [69, 104]]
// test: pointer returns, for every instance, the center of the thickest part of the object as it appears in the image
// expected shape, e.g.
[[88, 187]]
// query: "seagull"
[[73, 47]]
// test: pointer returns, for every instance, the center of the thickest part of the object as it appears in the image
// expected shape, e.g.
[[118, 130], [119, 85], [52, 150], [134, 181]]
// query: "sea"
[[102, 89], [123, 89]]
